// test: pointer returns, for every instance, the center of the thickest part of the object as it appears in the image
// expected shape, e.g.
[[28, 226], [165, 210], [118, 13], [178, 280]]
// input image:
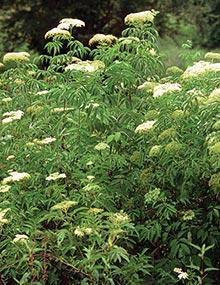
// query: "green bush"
[[110, 171]]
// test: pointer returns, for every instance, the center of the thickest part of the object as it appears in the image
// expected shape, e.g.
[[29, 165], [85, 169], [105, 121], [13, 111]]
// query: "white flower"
[[87, 231], [43, 92], [41, 142], [46, 141], [56, 175], [162, 89], [7, 137], [141, 17], [79, 232], [153, 52], [20, 238], [12, 116], [102, 146], [64, 26], [10, 157], [16, 57], [80, 67], [181, 274], [212, 56], [34, 109], [16, 176], [90, 177], [200, 68], [194, 92], [73, 22], [17, 114], [147, 86], [7, 120], [155, 150], [95, 210], [94, 105], [4, 188], [214, 96], [7, 99], [86, 66], [145, 127], [100, 39], [174, 70], [177, 270], [64, 205], [119, 218], [188, 215], [19, 81], [57, 32], [59, 110]]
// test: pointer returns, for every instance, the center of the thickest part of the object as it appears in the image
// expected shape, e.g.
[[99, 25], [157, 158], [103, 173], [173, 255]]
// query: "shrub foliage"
[[109, 165]]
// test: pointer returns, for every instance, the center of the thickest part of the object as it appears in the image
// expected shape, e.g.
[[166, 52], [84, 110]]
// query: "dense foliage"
[[109, 164]]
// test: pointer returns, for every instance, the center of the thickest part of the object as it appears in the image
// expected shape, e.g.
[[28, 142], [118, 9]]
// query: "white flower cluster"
[[4, 188], [12, 116], [6, 99], [62, 30], [100, 39], [181, 273], [155, 150], [34, 109], [141, 17], [41, 142], [10, 157], [60, 110], [147, 86], [213, 97], [145, 127], [152, 196], [64, 205], [15, 176], [95, 211], [102, 146], [78, 232], [119, 218], [81, 231], [20, 238], [16, 57], [57, 32], [43, 92], [173, 70], [188, 215], [68, 23], [86, 66], [90, 177], [200, 68], [212, 56], [56, 175], [165, 88]]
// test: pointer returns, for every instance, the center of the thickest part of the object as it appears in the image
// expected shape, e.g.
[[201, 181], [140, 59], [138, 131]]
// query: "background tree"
[[23, 23]]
